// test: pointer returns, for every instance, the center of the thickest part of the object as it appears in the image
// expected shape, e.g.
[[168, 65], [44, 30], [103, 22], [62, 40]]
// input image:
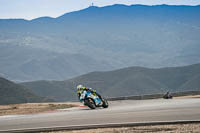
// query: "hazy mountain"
[[12, 93], [58, 90], [124, 82], [99, 39]]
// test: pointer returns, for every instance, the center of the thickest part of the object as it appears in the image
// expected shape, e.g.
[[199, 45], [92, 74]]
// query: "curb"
[[94, 126]]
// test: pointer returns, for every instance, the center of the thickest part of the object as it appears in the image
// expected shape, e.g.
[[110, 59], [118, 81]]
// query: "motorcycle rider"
[[81, 88], [167, 95]]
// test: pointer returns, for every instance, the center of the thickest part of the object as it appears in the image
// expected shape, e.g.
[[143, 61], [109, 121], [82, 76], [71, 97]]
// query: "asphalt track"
[[126, 111]]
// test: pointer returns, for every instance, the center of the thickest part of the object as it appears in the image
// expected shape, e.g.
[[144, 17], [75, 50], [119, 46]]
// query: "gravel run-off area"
[[174, 128]]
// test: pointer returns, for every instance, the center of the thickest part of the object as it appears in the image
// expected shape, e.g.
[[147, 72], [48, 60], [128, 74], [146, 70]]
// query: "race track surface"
[[118, 112]]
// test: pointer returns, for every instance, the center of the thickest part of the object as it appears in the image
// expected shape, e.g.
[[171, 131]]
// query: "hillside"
[[57, 90], [12, 93], [99, 39], [124, 82]]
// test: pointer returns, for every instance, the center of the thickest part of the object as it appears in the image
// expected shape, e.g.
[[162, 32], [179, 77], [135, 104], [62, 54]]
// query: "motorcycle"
[[167, 96], [93, 101]]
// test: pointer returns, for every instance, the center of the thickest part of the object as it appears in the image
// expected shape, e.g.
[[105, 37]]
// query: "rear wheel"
[[105, 103], [90, 103]]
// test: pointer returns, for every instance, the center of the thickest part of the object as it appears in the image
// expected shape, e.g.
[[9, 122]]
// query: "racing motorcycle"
[[167, 96], [93, 101]]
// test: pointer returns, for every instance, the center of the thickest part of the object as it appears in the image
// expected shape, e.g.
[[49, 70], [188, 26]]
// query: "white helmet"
[[79, 87]]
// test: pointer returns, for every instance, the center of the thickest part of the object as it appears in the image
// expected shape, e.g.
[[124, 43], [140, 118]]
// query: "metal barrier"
[[153, 96]]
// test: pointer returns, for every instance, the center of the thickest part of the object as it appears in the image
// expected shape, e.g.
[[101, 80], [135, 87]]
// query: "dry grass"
[[31, 108], [177, 128]]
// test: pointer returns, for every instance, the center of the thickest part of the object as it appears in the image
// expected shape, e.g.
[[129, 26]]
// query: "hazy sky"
[[30, 9]]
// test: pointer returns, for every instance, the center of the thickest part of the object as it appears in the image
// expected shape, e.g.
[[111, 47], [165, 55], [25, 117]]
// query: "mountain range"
[[12, 93], [123, 82], [99, 39]]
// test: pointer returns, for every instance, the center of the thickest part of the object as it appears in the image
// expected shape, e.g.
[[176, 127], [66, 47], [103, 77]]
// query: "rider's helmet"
[[79, 87]]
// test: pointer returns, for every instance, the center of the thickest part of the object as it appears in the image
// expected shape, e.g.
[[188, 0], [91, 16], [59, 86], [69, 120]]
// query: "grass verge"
[[30, 108]]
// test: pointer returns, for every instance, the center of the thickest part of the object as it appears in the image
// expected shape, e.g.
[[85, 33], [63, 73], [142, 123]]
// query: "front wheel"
[[90, 103], [105, 103]]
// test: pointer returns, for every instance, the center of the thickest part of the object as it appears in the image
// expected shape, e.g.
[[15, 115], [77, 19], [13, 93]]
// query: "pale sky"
[[30, 9]]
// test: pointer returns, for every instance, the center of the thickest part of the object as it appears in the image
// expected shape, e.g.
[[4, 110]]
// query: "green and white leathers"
[[81, 88]]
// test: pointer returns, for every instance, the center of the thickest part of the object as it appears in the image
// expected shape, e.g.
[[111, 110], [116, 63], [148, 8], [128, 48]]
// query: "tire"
[[105, 103], [90, 103]]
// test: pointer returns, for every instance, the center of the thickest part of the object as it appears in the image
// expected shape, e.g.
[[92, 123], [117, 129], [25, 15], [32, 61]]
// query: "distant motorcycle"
[[167, 96], [93, 101]]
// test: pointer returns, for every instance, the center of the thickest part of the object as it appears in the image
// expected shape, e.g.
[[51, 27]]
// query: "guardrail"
[[153, 96]]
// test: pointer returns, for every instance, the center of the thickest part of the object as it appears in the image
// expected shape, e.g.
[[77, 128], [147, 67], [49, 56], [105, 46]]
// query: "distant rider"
[[167, 96]]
